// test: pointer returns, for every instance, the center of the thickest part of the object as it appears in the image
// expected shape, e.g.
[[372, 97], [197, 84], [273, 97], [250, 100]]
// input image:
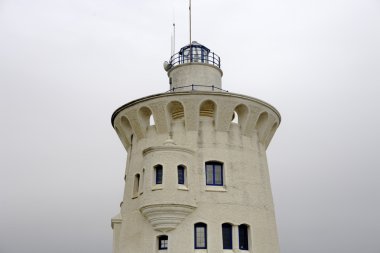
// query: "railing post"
[[191, 54]]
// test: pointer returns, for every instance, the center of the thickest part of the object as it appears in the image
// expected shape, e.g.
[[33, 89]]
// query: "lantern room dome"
[[193, 53]]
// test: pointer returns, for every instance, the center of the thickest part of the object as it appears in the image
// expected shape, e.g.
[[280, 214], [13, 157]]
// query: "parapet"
[[255, 117]]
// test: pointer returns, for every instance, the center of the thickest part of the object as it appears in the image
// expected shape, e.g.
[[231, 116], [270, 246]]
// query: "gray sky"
[[66, 65]]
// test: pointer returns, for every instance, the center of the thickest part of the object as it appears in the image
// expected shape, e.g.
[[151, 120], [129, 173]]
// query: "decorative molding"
[[191, 112], [166, 217], [210, 94], [173, 148]]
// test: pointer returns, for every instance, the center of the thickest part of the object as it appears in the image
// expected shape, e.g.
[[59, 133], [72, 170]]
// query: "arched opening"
[[182, 175], [260, 124], [151, 120], [176, 110], [235, 118], [146, 117], [200, 235], [158, 174], [126, 126], [126, 129], [241, 112], [207, 109]]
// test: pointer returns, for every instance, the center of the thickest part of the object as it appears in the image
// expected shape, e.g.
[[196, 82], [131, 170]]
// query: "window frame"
[[214, 164], [200, 225], [183, 169], [136, 185], [158, 178], [227, 237], [243, 241], [163, 238]]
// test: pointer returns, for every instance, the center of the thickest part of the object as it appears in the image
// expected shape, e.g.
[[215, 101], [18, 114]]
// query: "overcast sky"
[[66, 65]]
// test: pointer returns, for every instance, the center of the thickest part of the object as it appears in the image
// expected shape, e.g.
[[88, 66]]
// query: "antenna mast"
[[173, 38], [173, 35], [190, 19]]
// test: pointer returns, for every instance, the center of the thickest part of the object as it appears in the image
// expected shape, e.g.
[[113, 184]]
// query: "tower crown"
[[194, 67]]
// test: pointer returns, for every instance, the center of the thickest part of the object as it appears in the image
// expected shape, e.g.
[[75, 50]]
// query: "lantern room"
[[194, 67]]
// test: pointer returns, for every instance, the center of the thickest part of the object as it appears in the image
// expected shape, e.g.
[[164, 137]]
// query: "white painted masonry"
[[191, 128]]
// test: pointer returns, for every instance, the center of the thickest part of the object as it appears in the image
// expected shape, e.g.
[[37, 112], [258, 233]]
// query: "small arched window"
[[181, 174], [200, 236], [163, 242], [158, 173]]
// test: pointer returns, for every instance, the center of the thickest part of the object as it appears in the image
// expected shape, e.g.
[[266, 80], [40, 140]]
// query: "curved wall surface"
[[196, 158]]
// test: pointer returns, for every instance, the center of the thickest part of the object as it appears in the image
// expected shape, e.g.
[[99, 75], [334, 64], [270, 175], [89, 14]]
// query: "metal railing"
[[194, 88], [195, 56]]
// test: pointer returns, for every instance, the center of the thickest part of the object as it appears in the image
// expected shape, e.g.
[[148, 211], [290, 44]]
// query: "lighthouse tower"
[[196, 177]]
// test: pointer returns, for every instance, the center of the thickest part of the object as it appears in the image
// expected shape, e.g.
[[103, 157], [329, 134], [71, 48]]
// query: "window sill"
[[157, 187], [200, 250], [211, 188], [183, 188]]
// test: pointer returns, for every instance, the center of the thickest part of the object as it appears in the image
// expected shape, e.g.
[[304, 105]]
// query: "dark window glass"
[[163, 242], [159, 172], [243, 237], [136, 185], [227, 236], [181, 174], [214, 173], [200, 236]]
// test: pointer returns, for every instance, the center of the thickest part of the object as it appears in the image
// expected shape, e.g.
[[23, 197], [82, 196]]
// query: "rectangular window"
[[163, 242], [200, 234], [214, 173], [159, 174], [181, 174], [243, 237], [227, 236], [136, 185]]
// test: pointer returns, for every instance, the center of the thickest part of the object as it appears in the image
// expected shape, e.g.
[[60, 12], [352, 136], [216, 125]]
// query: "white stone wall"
[[198, 74], [189, 129]]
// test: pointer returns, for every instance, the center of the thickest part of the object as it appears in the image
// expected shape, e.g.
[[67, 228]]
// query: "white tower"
[[196, 179]]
